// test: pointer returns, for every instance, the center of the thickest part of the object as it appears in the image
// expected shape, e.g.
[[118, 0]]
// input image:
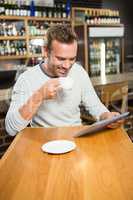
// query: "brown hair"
[[61, 33]]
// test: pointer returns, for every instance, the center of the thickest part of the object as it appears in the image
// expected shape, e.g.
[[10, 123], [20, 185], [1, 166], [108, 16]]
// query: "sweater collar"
[[43, 69]]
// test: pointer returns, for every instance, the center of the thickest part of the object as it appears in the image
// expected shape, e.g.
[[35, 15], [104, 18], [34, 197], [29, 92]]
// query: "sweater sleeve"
[[90, 99], [14, 121]]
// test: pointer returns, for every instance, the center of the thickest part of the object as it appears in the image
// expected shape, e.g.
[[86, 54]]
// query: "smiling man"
[[61, 55], [38, 97]]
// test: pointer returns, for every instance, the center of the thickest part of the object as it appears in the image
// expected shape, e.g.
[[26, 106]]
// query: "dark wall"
[[87, 3], [126, 14], [83, 3]]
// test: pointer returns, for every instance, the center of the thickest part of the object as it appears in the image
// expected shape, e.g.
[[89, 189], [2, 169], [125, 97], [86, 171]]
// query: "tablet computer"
[[100, 125]]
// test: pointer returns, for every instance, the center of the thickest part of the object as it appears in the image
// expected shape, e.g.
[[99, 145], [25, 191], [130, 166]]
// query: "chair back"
[[116, 92]]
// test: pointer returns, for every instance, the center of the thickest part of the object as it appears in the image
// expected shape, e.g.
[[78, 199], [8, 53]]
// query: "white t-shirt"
[[63, 111]]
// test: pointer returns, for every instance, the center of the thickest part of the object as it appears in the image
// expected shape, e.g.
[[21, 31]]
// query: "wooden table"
[[101, 167], [114, 79]]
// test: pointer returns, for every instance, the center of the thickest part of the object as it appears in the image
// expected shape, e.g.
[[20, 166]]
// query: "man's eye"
[[61, 59], [72, 59]]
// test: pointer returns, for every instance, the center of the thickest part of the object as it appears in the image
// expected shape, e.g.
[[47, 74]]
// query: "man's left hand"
[[108, 115]]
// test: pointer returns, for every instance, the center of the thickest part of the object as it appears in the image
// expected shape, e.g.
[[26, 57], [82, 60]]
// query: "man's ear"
[[44, 51]]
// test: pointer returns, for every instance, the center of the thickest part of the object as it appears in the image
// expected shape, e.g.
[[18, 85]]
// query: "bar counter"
[[112, 79]]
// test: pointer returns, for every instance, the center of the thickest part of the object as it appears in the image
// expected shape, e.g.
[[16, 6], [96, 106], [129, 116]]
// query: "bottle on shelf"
[[112, 57], [28, 8], [68, 8], [2, 7], [58, 10], [55, 12], [49, 12], [11, 28], [32, 8], [44, 12], [13, 48], [37, 28], [95, 58], [102, 16], [64, 14]]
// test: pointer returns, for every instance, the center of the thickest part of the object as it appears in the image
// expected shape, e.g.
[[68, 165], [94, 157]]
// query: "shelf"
[[27, 37], [12, 37], [47, 19], [4, 17], [105, 25], [77, 23], [37, 37], [13, 57], [95, 16], [35, 56]]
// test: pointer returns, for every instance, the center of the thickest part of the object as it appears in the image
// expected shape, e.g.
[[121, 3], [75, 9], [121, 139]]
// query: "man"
[[36, 95]]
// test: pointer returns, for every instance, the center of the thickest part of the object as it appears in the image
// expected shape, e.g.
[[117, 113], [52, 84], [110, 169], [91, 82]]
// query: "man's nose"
[[66, 64]]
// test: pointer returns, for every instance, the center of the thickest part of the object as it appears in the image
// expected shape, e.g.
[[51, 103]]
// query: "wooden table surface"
[[101, 167]]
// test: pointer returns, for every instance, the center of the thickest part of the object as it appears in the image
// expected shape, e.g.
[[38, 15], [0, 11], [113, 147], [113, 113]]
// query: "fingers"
[[50, 88], [54, 86], [109, 115], [116, 124], [52, 91]]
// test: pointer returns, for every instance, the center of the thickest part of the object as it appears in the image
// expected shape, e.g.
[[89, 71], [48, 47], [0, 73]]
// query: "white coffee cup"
[[66, 83]]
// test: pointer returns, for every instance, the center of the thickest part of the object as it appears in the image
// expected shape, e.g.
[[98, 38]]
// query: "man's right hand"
[[50, 88]]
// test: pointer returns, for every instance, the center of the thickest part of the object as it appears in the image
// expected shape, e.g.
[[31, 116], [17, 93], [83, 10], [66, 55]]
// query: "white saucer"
[[58, 146]]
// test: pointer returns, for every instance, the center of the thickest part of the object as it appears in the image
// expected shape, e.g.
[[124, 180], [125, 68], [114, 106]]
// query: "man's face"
[[61, 58]]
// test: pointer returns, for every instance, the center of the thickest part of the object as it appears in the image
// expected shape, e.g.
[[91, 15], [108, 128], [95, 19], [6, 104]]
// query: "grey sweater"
[[63, 111]]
